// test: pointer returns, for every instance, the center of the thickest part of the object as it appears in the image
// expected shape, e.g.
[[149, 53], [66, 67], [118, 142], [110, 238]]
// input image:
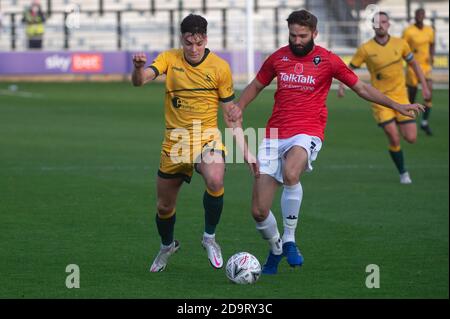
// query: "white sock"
[[269, 231], [167, 246], [291, 200], [424, 122], [206, 235]]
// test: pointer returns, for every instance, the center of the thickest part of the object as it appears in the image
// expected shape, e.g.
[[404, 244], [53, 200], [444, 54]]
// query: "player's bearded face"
[[301, 49], [301, 39], [193, 46]]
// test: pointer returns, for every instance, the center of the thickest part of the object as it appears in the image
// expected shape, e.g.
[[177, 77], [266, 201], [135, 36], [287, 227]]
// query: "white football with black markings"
[[243, 268]]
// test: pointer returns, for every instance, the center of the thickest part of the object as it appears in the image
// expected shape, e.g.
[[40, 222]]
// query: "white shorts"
[[272, 153]]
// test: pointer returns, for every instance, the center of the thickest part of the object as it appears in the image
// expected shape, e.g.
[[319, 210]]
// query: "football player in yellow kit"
[[420, 38], [384, 55], [197, 81]]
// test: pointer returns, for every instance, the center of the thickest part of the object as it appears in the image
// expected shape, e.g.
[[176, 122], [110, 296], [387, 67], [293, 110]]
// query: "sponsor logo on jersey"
[[177, 102], [177, 69], [297, 78], [298, 69], [316, 60]]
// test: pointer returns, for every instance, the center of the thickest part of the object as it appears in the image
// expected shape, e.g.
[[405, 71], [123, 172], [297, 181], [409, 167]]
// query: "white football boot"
[[405, 178], [214, 252], [160, 262]]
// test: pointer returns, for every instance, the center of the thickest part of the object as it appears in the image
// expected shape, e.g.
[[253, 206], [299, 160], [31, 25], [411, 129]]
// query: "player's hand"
[[426, 93], [139, 60], [234, 114], [341, 91], [252, 164], [410, 110]]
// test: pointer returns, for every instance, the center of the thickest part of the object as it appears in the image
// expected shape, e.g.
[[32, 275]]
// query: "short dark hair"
[[379, 13], [194, 24], [303, 18], [419, 10]]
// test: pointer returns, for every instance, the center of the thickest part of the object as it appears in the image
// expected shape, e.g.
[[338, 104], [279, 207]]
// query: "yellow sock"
[[394, 148]]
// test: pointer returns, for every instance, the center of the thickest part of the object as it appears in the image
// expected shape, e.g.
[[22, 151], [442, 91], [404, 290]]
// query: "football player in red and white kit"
[[295, 131]]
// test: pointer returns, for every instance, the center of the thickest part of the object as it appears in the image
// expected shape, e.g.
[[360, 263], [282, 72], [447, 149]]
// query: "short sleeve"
[[406, 51], [405, 35], [432, 35], [342, 72], [160, 65], [225, 85], [359, 58], [267, 72]]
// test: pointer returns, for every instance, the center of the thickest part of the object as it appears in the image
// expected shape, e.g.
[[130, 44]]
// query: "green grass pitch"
[[77, 186]]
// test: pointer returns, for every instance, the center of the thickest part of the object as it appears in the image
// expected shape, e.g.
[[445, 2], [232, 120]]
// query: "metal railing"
[[106, 29]]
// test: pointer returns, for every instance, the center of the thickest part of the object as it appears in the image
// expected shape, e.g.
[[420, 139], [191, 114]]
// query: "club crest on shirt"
[[316, 60], [298, 69]]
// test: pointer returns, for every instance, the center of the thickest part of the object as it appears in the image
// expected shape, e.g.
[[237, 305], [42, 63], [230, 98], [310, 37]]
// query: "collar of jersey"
[[200, 62], [383, 45]]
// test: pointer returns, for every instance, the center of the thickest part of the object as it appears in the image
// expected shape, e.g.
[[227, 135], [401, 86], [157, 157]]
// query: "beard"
[[301, 51]]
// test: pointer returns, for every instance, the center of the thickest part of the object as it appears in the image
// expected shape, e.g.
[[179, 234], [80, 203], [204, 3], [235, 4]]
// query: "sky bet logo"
[[297, 78], [76, 62]]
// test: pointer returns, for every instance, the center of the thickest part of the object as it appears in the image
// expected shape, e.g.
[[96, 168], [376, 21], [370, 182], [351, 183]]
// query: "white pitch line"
[[21, 94]]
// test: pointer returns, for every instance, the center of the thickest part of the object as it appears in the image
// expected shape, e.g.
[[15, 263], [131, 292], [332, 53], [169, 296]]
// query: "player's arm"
[[141, 75], [432, 52], [341, 87], [432, 46], [357, 60], [341, 90], [249, 94], [233, 120], [423, 81], [371, 94]]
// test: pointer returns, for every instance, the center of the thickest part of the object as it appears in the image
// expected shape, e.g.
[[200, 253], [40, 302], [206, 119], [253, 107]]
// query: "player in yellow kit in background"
[[384, 55], [197, 81], [420, 38]]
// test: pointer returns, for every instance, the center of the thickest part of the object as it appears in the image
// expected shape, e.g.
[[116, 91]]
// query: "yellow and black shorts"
[[384, 115], [411, 78], [175, 164]]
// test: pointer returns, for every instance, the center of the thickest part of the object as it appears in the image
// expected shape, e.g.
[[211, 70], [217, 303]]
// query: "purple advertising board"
[[120, 62]]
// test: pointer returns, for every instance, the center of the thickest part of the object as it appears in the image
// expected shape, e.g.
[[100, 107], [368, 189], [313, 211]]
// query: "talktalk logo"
[[87, 62], [297, 78]]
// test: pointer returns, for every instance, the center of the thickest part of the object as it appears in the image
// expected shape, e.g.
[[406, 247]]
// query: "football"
[[243, 268]]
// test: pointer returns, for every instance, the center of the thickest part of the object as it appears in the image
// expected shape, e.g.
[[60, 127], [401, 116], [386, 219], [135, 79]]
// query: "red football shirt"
[[303, 84]]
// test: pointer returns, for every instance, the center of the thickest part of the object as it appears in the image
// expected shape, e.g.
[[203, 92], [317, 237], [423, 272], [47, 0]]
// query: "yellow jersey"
[[420, 41], [193, 91], [385, 64]]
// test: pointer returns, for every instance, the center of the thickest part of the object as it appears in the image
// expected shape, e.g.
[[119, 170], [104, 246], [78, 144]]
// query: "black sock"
[[412, 92], [426, 114], [213, 209], [397, 157], [165, 228]]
